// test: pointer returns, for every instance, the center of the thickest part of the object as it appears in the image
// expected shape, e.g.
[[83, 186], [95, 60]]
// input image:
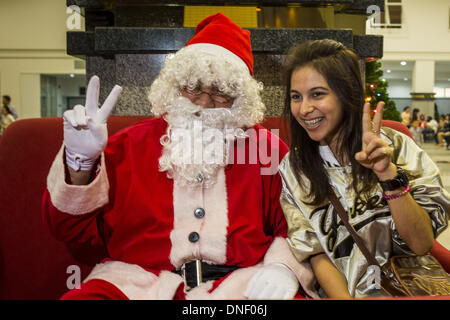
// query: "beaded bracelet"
[[396, 195]]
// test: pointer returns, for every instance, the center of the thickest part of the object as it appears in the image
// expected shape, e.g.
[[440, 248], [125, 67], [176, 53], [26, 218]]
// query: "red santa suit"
[[145, 220]]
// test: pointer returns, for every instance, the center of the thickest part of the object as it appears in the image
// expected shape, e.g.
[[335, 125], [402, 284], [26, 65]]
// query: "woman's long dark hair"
[[339, 66]]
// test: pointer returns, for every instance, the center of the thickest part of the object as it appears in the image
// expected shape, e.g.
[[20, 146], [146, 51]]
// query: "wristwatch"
[[400, 180]]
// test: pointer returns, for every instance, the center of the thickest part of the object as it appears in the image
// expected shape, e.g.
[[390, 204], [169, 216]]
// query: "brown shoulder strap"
[[343, 215]]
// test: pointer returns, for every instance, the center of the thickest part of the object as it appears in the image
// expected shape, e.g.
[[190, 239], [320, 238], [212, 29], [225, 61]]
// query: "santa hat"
[[219, 35]]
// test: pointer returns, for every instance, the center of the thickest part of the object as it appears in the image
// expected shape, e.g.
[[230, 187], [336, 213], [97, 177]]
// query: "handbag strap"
[[359, 242]]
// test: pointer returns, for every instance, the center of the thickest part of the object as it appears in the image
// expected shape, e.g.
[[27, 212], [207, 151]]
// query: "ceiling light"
[[388, 71], [406, 79], [403, 63]]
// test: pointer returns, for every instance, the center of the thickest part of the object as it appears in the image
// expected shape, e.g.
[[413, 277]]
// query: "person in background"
[[389, 187], [422, 122], [406, 116], [416, 132], [182, 215], [6, 100], [444, 128], [415, 115], [430, 128], [7, 118]]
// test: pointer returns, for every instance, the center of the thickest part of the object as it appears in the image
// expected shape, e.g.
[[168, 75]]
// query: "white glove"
[[85, 132], [274, 281]]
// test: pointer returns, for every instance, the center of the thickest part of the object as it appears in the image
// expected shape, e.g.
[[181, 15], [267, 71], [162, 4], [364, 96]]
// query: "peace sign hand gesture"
[[85, 132], [375, 153]]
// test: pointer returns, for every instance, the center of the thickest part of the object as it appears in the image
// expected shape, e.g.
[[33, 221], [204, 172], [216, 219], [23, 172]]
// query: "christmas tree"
[[376, 91]]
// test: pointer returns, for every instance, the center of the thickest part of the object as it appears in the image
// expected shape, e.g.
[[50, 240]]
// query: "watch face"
[[401, 180]]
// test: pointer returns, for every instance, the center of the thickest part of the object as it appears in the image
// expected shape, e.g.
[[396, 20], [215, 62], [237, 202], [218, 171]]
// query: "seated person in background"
[[431, 128], [422, 122], [184, 202], [444, 129], [6, 119], [336, 146]]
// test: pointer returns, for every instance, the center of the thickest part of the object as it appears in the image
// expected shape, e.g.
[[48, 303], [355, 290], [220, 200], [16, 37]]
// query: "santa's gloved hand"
[[274, 281], [85, 132]]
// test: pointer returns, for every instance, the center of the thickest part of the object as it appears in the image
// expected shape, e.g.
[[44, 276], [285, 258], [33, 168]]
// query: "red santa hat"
[[218, 34]]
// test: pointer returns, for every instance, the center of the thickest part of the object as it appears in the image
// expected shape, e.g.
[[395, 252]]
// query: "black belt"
[[195, 272]]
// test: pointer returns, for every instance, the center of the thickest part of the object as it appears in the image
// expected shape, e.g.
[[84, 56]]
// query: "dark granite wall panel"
[[360, 6], [80, 43], [273, 98], [105, 69], [135, 73], [146, 40], [280, 40], [267, 68], [368, 46], [150, 16]]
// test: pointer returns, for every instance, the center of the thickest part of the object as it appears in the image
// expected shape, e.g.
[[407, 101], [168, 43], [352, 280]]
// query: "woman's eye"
[[318, 94], [295, 97]]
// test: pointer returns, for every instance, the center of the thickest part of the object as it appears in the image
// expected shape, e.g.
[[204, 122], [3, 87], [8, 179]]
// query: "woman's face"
[[315, 106]]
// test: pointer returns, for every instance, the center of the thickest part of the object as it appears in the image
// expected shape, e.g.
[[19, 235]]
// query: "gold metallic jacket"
[[318, 229]]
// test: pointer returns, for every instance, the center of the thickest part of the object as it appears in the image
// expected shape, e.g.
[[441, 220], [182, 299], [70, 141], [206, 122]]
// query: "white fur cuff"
[[74, 199]]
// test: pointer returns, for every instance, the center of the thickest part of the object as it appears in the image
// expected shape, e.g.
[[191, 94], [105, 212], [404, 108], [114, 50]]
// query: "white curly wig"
[[211, 66]]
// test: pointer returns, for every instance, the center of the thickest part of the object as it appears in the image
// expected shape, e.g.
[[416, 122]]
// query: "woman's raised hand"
[[375, 153]]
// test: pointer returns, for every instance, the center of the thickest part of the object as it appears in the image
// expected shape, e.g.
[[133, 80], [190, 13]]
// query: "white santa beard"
[[197, 141]]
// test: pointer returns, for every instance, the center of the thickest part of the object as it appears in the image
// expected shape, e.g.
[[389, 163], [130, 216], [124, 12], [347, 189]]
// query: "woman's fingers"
[[366, 121], [360, 156], [379, 153], [374, 143], [376, 122]]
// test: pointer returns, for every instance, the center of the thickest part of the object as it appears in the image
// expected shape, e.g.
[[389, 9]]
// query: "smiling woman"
[[390, 189]]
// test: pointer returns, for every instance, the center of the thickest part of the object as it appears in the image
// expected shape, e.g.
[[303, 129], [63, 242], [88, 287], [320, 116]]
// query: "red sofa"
[[33, 265]]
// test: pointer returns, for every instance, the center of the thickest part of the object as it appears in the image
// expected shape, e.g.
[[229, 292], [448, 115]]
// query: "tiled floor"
[[441, 157]]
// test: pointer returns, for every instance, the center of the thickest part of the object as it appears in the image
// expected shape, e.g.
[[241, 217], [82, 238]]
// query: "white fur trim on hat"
[[218, 51]]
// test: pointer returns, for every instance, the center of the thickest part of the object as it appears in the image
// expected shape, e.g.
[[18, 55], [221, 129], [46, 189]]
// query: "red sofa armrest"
[[33, 264]]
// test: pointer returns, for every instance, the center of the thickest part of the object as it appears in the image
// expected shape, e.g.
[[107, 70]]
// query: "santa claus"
[[182, 201]]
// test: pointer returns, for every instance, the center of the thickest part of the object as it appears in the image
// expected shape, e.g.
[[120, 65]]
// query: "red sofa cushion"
[[32, 263]]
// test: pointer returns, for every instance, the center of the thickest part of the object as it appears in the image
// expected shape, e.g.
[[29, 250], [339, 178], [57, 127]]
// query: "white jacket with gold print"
[[318, 229]]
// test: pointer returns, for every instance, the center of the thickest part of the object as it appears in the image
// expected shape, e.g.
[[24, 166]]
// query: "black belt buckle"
[[192, 274], [195, 272]]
